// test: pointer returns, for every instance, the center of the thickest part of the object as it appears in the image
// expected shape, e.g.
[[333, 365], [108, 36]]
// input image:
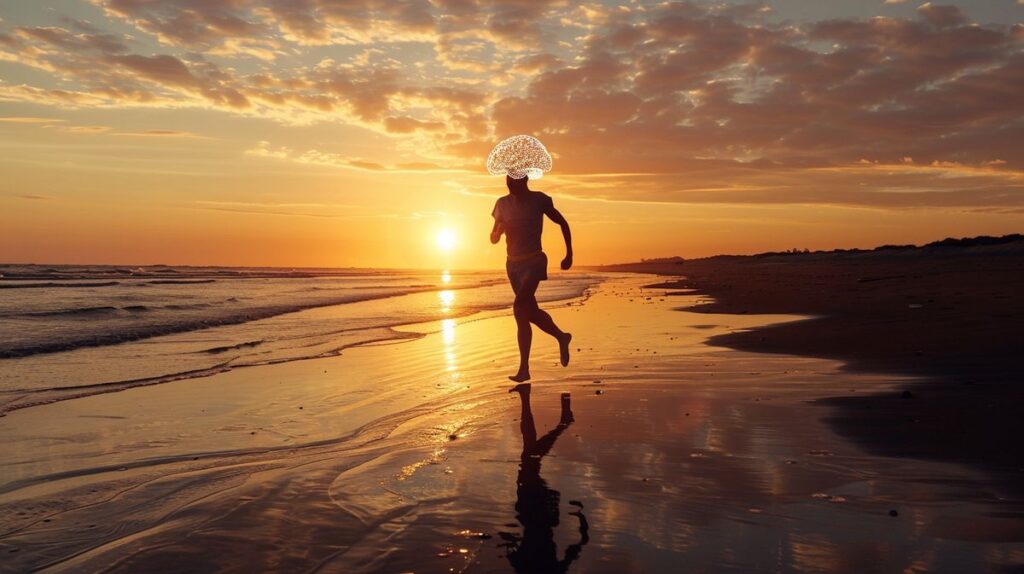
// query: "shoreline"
[[250, 340], [950, 322]]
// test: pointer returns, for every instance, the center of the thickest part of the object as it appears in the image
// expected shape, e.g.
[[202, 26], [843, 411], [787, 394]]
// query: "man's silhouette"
[[536, 504], [520, 216]]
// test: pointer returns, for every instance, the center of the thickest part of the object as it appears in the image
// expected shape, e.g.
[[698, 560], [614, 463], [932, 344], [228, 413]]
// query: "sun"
[[446, 240]]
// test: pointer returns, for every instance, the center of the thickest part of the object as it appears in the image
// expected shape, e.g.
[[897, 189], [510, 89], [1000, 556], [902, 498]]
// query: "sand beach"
[[408, 456]]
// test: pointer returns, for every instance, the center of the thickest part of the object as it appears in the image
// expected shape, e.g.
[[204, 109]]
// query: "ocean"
[[70, 331]]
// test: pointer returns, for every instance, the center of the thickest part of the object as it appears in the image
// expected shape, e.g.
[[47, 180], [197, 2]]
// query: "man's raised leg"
[[543, 320]]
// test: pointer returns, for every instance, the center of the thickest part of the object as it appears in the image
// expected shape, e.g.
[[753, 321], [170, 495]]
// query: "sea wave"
[[27, 398], [173, 325], [84, 272], [180, 281], [78, 312], [173, 318], [57, 285], [176, 331], [226, 348]]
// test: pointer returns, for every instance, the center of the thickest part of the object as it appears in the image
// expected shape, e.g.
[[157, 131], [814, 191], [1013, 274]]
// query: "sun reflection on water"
[[448, 339], [448, 332], [447, 299]]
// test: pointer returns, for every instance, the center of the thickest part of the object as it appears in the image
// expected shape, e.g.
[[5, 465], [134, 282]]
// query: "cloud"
[[321, 158], [862, 186], [83, 129], [28, 120], [317, 210], [184, 23], [112, 75], [942, 15], [679, 101], [370, 95], [406, 125], [261, 28], [55, 124], [885, 88], [535, 63], [160, 134]]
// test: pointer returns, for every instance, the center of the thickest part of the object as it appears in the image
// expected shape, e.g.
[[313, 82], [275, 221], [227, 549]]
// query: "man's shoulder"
[[542, 200]]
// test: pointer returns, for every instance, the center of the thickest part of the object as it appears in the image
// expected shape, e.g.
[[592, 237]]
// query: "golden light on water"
[[447, 299], [446, 277], [448, 340], [448, 331]]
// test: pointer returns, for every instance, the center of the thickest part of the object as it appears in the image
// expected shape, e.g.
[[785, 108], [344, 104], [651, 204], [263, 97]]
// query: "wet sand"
[[950, 317], [409, 457]]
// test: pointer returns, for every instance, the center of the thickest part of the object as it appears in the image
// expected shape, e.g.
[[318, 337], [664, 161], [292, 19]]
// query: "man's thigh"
[[526, 294]]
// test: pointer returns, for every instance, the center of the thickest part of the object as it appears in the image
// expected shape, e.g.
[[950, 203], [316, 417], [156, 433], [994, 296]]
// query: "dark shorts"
[[533, 268]]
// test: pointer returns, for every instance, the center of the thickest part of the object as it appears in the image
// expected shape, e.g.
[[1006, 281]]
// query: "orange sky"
[[241, 132]]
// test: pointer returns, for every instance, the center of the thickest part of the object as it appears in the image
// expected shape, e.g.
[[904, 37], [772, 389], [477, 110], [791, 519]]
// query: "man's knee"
[[522, 317], [523, 308]]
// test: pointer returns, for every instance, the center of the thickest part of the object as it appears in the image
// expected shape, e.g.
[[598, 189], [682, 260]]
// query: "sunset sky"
[[350, 133]]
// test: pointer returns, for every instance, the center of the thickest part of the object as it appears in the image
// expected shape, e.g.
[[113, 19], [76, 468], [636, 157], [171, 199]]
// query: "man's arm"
[[556, 216], [496, 231], [573, 551]]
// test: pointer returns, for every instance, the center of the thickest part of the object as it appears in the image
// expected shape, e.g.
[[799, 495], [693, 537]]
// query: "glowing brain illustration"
[[519, 157]]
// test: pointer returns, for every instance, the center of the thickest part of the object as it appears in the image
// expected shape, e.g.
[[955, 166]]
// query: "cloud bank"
[[688, 102]]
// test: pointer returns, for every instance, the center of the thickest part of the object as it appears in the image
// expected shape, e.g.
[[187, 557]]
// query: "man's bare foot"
[[520, 377], [522, 388], [563, 348]]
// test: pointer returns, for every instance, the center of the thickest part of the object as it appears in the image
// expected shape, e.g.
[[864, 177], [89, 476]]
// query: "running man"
[[520, 216]]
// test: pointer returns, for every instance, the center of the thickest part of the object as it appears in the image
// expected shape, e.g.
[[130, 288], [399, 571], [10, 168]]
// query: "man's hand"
[[567, 262]]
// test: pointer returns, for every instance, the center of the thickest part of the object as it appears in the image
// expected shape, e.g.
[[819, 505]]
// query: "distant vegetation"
[[948, 244], [1014, 243]]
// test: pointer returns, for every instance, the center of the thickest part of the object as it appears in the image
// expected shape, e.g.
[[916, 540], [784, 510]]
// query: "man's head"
[[515, 186]]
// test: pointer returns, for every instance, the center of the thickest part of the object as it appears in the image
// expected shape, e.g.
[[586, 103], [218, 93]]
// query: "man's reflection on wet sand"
[[537, 506]]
